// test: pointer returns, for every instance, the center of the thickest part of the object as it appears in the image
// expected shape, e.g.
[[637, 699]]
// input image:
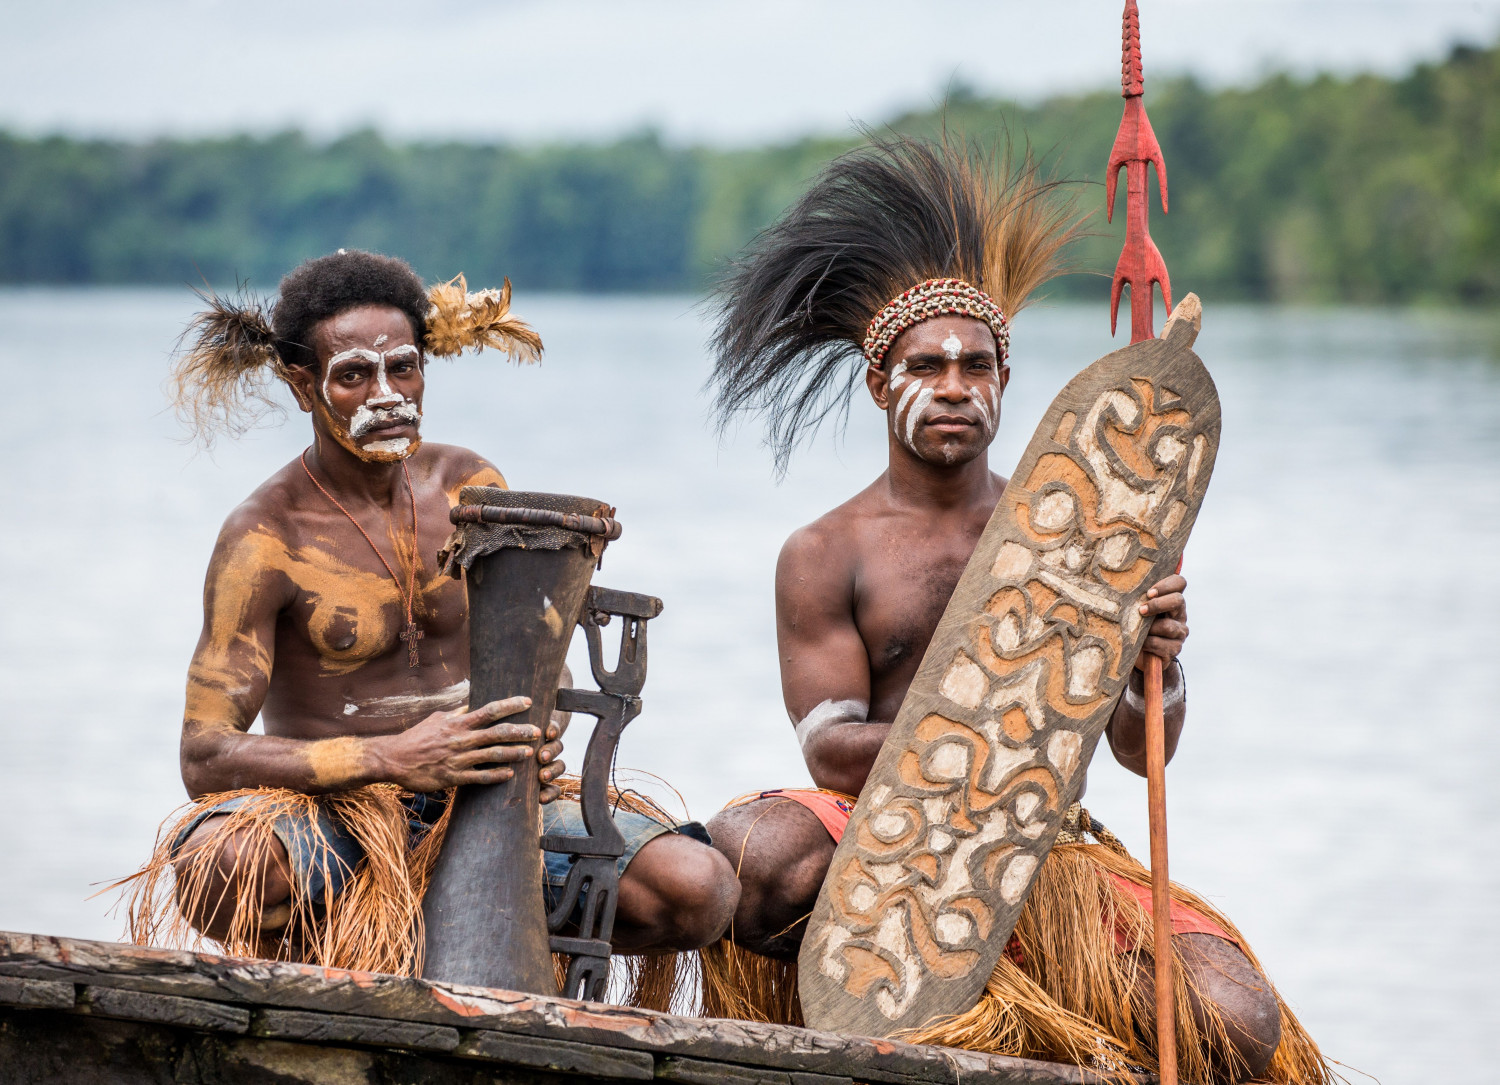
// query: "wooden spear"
[[1141, 266]]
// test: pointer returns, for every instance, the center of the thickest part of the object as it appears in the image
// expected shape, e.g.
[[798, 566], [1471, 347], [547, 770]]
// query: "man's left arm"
[[1166, 609]]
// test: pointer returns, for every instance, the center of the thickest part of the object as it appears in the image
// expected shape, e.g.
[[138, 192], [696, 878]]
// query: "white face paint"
[[914, 415], [909, 407], [831, 712], [912, 389], [985, 418], [387, 405], [916, 397]]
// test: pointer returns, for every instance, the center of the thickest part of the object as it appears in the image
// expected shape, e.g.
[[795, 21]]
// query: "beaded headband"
[[934, 298]]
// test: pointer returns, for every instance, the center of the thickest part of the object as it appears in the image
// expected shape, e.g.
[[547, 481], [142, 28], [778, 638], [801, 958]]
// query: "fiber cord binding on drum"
[[489, 518], [572, 521]]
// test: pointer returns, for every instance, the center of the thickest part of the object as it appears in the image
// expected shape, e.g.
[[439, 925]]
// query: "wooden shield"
[[995, 735]]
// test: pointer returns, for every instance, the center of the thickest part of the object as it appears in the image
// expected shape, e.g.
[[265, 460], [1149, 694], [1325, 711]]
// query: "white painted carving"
[[1012, 562], [965, 683]]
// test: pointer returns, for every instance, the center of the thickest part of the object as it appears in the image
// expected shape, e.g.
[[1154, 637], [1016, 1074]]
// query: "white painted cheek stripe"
[[828, 712], [984, 410], [914, 415], [898, 376], [905, 400]]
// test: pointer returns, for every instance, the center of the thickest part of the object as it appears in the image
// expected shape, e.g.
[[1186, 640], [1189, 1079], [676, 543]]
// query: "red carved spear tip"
[[1134, 151], [1132, 80]]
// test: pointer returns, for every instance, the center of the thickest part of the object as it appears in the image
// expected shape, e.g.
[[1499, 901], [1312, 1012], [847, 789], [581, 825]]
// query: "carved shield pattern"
[[994, 738]]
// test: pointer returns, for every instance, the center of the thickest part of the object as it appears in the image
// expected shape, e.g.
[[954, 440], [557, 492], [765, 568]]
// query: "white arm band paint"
[[1170, 695], [831, 712]]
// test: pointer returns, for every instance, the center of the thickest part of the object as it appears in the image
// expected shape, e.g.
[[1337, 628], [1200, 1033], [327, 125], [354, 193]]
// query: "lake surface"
[[1332, 791]]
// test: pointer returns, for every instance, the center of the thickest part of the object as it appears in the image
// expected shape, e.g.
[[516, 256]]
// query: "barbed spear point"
[[1135, 147]]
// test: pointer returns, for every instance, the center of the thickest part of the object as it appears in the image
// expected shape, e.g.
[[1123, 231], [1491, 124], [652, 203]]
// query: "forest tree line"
[[1363, 189]]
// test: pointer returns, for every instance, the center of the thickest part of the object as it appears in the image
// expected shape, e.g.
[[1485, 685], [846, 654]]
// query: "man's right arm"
[[825, 669], [231, 672]]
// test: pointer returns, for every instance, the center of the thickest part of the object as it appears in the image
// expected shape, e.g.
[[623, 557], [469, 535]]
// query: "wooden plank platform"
[[86, 1012]]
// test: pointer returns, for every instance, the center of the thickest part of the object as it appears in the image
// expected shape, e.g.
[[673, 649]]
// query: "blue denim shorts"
[[321, 875]]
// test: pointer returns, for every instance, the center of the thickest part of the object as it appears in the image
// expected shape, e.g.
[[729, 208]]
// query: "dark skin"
[[859, 593], [301, 628]]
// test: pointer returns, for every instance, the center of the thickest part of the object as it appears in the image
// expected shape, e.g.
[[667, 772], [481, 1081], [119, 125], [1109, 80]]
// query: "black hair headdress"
[[795, 310]]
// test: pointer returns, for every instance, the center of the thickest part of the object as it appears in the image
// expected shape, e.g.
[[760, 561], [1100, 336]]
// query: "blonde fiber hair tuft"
[[459, 319]]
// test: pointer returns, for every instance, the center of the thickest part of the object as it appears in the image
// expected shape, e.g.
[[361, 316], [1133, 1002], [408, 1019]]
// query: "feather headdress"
[[233, 351], [459, 319], [226, 364], [796, 310]]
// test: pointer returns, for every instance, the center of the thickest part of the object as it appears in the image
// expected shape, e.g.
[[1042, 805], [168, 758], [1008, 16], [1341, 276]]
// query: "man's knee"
[[215, 867], [678, 894], [780, 852], [1242, 997]]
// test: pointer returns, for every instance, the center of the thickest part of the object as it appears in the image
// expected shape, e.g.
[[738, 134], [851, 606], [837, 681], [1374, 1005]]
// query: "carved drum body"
[[527, 581], [995, 735]]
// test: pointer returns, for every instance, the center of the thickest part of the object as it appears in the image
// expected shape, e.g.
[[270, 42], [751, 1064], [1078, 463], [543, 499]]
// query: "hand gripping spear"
[[1141, 266]]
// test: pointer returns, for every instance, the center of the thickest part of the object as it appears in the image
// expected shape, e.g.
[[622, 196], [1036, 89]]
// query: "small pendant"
[[411, 634]]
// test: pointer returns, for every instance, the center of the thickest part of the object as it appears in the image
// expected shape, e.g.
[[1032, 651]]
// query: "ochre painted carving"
[[994, 738]]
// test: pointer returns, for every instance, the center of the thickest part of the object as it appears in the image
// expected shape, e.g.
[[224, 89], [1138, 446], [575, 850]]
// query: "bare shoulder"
[[270, 509], [252, 554], [822, 555], [455, 467]]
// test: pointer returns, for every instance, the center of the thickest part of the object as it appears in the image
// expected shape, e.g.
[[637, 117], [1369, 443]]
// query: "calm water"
[[1331, 792]]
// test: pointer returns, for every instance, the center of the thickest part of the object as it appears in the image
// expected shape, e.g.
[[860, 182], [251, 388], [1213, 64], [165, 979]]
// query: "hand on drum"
[[456, 747], [549, 763], [1167, 610]]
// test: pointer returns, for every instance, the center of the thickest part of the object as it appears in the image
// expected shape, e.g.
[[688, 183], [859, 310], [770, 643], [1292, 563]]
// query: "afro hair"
[[322, 288]]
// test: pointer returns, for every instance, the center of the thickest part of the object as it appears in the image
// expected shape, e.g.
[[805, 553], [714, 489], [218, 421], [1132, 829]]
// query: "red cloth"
[[1184, 919], [829, 807], [834, 810]]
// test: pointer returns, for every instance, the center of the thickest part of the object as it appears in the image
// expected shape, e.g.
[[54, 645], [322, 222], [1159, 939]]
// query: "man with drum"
[[325, 616]]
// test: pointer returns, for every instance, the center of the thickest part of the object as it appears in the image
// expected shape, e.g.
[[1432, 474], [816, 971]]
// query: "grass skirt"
[[1073, 999], [374, 924]]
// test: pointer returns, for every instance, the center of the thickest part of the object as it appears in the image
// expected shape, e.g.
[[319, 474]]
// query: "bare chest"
[[903, 585], [349, 607], [359, 619]]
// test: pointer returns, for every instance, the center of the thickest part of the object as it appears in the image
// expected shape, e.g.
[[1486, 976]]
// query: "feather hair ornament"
[[794, 312], [225, 367], [460, 319]]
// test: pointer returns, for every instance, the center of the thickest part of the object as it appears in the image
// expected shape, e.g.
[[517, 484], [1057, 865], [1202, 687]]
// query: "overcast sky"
[[727, 73]]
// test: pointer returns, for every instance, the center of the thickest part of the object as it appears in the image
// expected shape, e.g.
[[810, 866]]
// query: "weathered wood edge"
[[48, 963]]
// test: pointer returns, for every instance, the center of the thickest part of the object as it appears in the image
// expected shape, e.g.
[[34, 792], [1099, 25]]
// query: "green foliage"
[[1361, 189]]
